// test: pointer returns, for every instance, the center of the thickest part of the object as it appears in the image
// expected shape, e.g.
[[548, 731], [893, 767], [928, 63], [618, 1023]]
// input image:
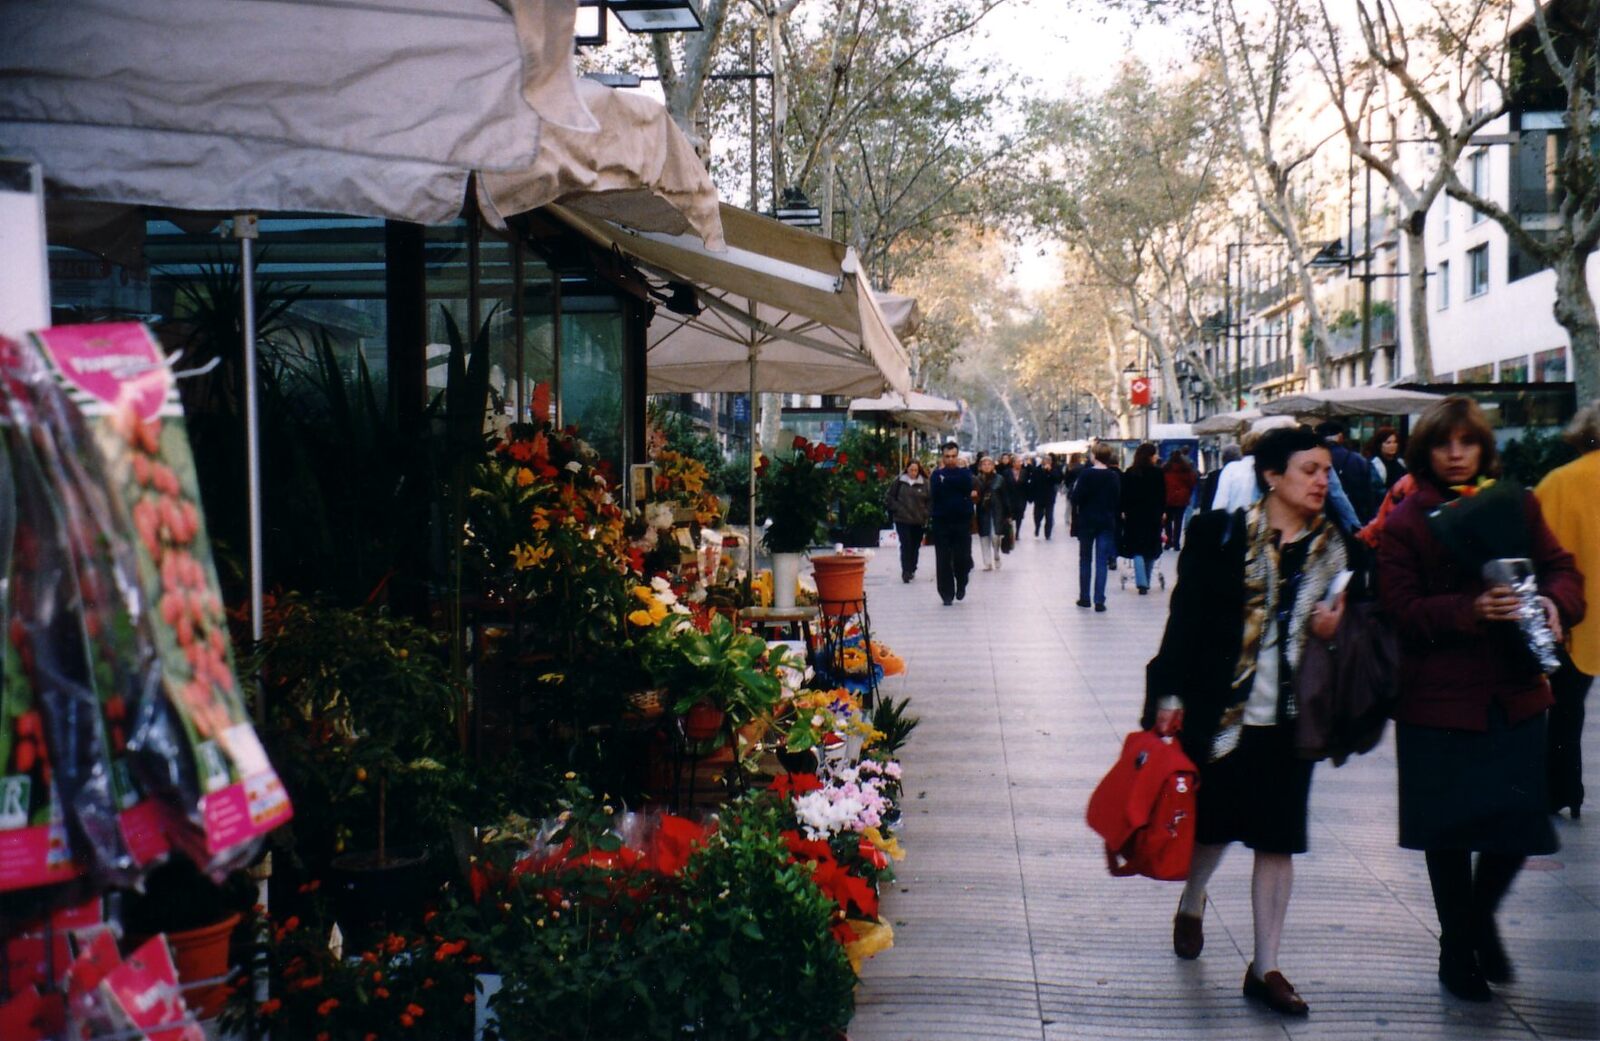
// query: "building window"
[[1550, 366], [1478, 178], [1444, 218], [1514, 370], [1444, 284], [1478, 270]]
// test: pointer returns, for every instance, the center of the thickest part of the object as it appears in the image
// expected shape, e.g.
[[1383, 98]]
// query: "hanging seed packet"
[[58, 784], [142, 996], [126, 669], [30, 815], [203, 758]]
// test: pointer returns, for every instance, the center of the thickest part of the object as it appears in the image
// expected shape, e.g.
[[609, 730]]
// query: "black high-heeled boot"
[[1459, 972], [1492, 879], [1450, 874]]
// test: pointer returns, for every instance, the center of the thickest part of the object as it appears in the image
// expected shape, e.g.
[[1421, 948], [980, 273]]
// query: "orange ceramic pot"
[[841, 579]]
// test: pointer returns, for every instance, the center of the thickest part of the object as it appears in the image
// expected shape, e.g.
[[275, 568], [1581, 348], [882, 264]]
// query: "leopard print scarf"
[[1325, 558]]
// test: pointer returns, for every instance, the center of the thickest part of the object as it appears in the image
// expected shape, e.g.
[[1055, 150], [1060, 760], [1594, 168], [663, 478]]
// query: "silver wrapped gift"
[[1534, 624]]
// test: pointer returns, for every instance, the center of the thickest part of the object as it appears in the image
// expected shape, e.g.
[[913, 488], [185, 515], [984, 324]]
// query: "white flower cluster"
[[850, 799], [658, 515]]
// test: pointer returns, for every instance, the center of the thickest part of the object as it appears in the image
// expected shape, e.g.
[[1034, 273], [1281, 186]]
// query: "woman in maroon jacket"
[[1470, 724]]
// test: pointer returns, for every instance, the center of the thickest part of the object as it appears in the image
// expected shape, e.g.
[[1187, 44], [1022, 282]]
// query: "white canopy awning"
[[794, 304], [381, 108], [1352, 401], [636, 169], [917, 410]]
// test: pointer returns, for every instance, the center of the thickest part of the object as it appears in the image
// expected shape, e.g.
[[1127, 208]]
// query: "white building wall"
[[1509, 321]]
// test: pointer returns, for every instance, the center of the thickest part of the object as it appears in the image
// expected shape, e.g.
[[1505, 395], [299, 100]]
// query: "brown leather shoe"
[[1275, 992], [1188, 935]]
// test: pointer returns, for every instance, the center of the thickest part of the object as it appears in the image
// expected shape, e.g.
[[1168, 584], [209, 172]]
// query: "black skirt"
[[1256, 794], [1475, 790]]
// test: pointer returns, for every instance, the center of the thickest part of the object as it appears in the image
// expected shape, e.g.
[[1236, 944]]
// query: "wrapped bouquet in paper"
[[1486, 529], [1533, 624]]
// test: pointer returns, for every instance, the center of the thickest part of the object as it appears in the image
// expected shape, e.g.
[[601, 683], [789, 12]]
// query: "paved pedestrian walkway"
[[1007, 925]]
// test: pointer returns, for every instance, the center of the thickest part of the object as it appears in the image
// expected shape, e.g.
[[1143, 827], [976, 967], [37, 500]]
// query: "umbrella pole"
[[754, 424], [245, 230]]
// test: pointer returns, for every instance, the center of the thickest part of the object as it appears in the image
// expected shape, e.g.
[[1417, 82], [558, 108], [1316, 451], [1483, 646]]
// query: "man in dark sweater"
[[1096, 502], [950, 501]]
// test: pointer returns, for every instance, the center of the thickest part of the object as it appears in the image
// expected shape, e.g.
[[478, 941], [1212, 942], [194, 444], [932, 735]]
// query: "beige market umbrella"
[[1227, 422], [917, 410], [1351, 401]]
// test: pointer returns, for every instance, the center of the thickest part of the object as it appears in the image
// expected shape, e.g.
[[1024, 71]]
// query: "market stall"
[[778, 310]]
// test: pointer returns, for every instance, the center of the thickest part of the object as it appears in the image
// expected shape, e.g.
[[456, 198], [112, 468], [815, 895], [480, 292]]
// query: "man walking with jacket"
[[951, 494], [1355, 473]]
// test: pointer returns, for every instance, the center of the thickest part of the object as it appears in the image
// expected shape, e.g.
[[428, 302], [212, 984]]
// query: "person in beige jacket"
[[1570, 498]]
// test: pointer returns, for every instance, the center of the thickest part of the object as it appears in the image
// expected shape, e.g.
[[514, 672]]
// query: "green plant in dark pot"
[[361, 711]]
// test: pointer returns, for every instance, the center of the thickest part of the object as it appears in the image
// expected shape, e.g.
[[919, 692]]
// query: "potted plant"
[[362, 710], [794, 497], [722, 675], [198, 917]]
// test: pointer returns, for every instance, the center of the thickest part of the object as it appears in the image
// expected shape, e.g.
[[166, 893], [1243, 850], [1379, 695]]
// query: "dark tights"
[[1466, 900]]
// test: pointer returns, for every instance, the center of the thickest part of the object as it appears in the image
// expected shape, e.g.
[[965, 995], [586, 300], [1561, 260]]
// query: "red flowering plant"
[[864, 489], [419, 985], [544, 531], [579, 914], [797, 495]]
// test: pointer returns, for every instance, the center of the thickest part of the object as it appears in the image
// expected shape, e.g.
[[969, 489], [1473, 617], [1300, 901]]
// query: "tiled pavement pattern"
[[1007, 925]]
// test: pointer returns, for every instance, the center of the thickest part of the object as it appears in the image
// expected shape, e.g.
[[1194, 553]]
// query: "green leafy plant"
[[730, 669], [867, 515], [360, 701], [758, 939], [889, 718]]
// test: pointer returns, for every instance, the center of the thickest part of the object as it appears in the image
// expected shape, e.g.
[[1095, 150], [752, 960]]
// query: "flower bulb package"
[[60, 810], [101, 433]]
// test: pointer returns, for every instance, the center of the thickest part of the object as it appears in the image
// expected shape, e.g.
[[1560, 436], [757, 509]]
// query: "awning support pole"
[[754, 420], [245, 229]]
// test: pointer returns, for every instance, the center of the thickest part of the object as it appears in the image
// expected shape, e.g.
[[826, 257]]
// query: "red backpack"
[[1144, 809]]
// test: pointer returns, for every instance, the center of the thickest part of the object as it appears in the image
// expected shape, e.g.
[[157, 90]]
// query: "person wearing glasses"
[[951, 494]]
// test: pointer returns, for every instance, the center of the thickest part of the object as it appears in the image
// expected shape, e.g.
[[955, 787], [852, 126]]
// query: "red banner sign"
[[1139, 390]]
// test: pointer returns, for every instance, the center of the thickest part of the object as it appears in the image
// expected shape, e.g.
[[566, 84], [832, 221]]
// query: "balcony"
[[1268, 371], [1347, 341]]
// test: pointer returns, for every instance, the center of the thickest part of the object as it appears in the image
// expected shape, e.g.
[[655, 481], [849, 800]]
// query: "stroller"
[[1124, 565]]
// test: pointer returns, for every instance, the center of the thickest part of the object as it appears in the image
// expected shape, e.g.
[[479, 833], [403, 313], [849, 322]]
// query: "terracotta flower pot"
[[841, 579], [202, 954], [702, 721]]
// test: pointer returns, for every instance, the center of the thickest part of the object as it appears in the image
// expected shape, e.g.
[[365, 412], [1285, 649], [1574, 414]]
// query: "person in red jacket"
[[1180, 477], [1470, 723]]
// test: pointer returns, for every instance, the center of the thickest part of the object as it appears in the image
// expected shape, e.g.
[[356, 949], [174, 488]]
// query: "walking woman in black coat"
[[1044, 484], [1144, 504], [1252, 587]]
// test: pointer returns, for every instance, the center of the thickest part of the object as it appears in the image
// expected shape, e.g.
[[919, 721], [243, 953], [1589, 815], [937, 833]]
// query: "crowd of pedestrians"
[[1273, 542]]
